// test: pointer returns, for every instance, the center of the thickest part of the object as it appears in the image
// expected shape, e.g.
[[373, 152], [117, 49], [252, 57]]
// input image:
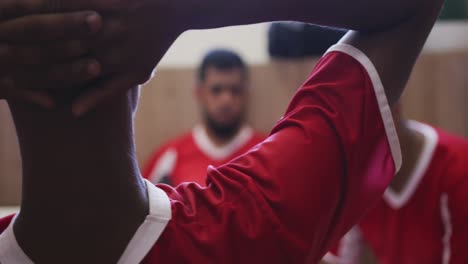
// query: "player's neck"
[[221, 140], [78, 174], [411, 143]]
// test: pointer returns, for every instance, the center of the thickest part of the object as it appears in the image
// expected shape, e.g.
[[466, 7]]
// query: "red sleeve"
[[293, 196], [455, 210], [5, 222]]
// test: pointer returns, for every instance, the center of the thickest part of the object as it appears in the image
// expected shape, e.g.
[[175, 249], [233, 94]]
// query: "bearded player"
[[222, 93]]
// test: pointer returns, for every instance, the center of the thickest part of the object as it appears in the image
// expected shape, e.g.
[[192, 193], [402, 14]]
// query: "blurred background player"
[[422, 217], [222, 93]]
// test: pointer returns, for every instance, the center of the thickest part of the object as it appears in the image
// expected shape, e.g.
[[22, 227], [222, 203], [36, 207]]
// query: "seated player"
[[285, 201], [222, 94], [422, 216]]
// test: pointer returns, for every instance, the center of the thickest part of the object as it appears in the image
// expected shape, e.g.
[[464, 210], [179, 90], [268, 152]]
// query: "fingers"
[[50, 27], [39, 85], [56, 78], [125, 56], [103, 91], [41, 55], [7, 91]]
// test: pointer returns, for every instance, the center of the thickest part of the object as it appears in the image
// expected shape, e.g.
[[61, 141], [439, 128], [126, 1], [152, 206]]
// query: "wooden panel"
[[10, 162], [166, 109], [436, 94], [437, 91]]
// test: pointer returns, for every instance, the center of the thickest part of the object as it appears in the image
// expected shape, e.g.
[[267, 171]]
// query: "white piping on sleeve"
[[399, 199], [381, 97], [447, 222]]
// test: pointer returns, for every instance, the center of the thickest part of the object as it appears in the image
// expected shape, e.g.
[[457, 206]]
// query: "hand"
[[43, 52], [128, 48]]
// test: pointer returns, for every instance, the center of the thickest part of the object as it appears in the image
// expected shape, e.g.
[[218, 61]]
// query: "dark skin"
[[84, 150], [42, 46], [124, 30], [130, 60], [88, 157]]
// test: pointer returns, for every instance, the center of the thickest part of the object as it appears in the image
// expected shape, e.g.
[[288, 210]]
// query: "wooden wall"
[[10, 163], [437, 94]]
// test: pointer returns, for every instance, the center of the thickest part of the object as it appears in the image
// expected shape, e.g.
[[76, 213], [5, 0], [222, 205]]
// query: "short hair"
[[221, 59]]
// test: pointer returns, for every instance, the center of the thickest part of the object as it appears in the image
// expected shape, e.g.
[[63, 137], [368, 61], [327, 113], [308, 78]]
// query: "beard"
[[223, 130]]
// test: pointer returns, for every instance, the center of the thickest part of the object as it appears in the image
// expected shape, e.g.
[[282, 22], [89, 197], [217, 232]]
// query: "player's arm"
[[361, 15], [331, 156], [308, 172], [150, 27], [164, 20], [390, 33]]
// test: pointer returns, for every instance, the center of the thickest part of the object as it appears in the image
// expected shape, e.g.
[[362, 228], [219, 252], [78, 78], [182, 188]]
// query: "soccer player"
[[285, 201], [222, 94], [422, 216]]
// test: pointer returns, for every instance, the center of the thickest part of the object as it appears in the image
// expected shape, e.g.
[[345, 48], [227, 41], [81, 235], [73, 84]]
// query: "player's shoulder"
[[5, 222], [257, 137], [453, 149], [448, 146], [452, 144], [452, 155]]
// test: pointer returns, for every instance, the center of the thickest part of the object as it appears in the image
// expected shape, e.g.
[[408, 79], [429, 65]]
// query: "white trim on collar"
[[398, 200], [144, 239], [384, 107], [149, 232], [164, 166], [205, 144], [10, 251]]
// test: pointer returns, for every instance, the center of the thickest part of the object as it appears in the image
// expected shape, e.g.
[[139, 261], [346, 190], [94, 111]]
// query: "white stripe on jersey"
[[446, 220]]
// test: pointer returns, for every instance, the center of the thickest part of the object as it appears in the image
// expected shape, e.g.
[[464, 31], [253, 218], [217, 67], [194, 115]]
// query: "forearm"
[[358, 14]]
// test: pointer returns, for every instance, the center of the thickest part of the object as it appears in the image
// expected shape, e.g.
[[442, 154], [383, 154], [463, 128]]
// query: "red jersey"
[[293, 196], [427, 221], [186, 159]]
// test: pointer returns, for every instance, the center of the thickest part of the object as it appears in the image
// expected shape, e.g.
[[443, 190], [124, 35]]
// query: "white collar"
[[137, 249], [204, 143], [398, 199]]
